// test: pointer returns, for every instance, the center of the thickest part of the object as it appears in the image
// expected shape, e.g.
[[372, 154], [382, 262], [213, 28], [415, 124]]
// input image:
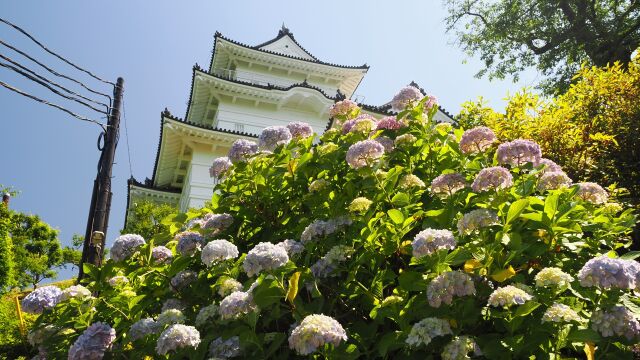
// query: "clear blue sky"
[[51, 158]]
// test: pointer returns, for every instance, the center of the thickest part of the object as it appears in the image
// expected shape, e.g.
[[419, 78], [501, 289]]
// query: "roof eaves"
[[282, 33]]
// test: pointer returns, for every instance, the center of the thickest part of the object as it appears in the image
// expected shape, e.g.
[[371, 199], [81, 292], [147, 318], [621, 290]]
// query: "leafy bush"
[[145, 218], [412, 240]]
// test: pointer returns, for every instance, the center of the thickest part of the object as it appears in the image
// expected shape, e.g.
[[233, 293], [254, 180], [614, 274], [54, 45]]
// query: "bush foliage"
[[387, 252]]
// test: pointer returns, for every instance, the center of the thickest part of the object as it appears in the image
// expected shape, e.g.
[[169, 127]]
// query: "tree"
[[554, 36], [73, 254], [145, 218], [6, 253]]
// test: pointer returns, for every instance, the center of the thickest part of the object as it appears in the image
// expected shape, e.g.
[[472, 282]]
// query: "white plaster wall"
[[198, 186]]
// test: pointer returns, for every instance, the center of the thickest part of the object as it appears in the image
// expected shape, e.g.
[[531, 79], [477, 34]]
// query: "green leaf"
[[583, 335], [527, 308], [267, 293], [516, 209], [551, 205], [400, 199], [396, 215], [412, 281], [631, 255]]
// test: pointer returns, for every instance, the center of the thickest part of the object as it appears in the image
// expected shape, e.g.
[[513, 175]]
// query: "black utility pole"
[[98, 220]]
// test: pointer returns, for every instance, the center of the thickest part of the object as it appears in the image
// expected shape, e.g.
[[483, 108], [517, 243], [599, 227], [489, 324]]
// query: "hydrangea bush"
[[436, 242]]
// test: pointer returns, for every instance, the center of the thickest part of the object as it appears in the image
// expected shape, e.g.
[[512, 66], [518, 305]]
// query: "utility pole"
[[98, 220]]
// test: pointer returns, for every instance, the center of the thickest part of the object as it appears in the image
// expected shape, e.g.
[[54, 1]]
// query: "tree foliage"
[[555, 37], [145, 218], [6, 249]]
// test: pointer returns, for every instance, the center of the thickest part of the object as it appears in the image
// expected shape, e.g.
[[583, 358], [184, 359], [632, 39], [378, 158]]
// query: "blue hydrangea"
[[188, 242], [218, 250], [425, 330], [93, 342], [241, 149], [605, 272], [264, 256], [142, 328], [125, 246], [428, 241], [443, 288], [177, 337], [225, 349], [617, 321], [183, 279], [42, 298], [273, 136], [237, 304]]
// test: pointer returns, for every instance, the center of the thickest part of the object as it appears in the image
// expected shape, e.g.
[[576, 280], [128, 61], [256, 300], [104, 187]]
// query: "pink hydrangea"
[[344, 108], [448, 184], [492, 178], [404, 97], [519, 152], [389, 123], [477, 140], [364, 153]]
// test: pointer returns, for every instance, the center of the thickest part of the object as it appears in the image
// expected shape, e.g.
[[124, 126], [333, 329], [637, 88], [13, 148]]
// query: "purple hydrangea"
[[477, 140], [492, 178], [553, 180], [330, 261], [217, 222], [364, 153], [225, 349], [177, 337], [592, 192], [218, 250], [42, 298], [93, 342], [142, 328], [292, 247], [605, 272], [242, 149], [237, 304], [125, 246], [273, 136], [443, 288], [386, 142], [161, 254], [448, 184], [344, 108], [264, 256], [220, 166], [549, 166], [320, 228], [428, 241], [300, 129], [315, 331], [617, 321], [182, 279], [188, 242], [519, 152], [405, 97], [364, 123], [389, 123]]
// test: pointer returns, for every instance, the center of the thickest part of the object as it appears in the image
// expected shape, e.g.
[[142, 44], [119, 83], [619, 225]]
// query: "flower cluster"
[[344, 108], [242, 149], [93, 342], [188, 242], [183, 279], [360, 205], [443, 288], [142, 328], [492, 178], [216, 222], [409, 181], [364, 153], [430, 103], [553, 276], [507, 296], [292, 247], [315, 331], [553, 180], [364, 123], [225, 349], [236, 304], [318, 185], [218, 250], [549, 166], [177, 337], [560, 313], [161, 254], [42, 298], [459, 348], [172, 304], [169, 317], [205, 314], [405, 97], [220, 166], [228, 286], [39, 335], [519, 152], [75, 291], [329, 262], [476, 220], [300, 129], [118, 280], [615, 321], [274, 136], [425, 330], [386, 142], [405, 140], [477, 140], [448, 184], [320, 228], [606, 272], [389, 123], [264, 256], [428, 241], [592, 192], [125, 246]]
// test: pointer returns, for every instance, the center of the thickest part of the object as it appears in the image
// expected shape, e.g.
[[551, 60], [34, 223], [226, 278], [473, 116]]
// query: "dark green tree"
[[6, 247], [145, 218], [553, 36]]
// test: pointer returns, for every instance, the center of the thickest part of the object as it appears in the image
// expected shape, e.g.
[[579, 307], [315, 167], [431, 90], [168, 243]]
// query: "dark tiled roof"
[[282, 33], [148, 184]]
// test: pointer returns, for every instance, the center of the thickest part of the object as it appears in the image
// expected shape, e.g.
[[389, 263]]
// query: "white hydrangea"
[[315, 331], [142, 328], [228, 286], [236, 305], [205, 314], [476, 220], [170, 316], [428, 241], [553, 276], [507, 296], [329, 262], [560, 313], [75, 291], [443, 288], [459, 349], [264, 256], [218, 250], [177, 337], [409, 181], [425, 330], [292, 247], [118, 280]]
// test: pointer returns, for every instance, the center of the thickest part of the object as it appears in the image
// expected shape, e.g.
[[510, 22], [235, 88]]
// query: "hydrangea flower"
[[274, 136], [553, 180], [225, 349], [188, 242], [118, 280], [142, 328], [408, 181], [364, 153], [125, 246], [37, 336], [264, 256], [553, 276], [364, 123], [492, 178], [360, 205], [477, 140], [242, 149], [75, 291], [177, 337], [315, 331], [183, 279], [519, 152], [292, 247], [161, 254], [405, 97], [549, 166], [169, 317], [220, 166], [611, 208], [93, 342], [205, 314], [560, 313], [459, 349], [592, 192], [218, 250], [217, 222], [344, 108], [448, 184], [327, 148], [172, 304], [430, 103], [476, 220], [300, 129], [508, 295], [605, 272], [617, 321], [318, 185], [329, 262], [445, 286], [236, 304], [386, 143], [320, 228], [425, 330], [428, 241], [228, 286], [389, 123], [443, 127], [405, 139]]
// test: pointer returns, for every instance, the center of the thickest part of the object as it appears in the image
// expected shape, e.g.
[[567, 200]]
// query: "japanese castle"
[[245, 89]]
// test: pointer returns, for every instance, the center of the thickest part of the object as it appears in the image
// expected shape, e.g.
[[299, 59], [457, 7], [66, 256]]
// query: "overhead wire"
[[55, 54], [79, 117]]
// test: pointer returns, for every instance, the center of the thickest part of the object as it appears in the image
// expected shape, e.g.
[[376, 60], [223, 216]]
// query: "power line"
[[52, 82], [53, 71], [79, 117], [126, 136], [55, 54]]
